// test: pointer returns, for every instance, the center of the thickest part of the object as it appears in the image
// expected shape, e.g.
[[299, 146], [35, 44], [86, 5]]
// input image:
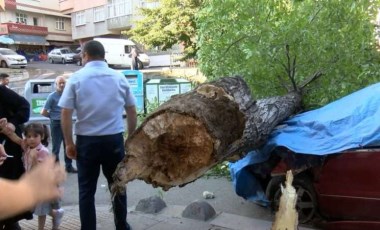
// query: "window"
[[99, 14], [80, 18], [35, 21], [21, 18], [127, 49], [118, 8], [149, 4], [60, 24]]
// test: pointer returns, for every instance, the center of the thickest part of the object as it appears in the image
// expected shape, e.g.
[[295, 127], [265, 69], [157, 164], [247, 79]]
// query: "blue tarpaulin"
[[350, 122]]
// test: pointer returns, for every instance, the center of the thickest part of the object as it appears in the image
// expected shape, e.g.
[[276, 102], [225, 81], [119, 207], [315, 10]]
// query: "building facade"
[[102, 18], [34, 25]]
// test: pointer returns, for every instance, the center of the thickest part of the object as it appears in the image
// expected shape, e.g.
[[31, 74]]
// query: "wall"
[[90, 29], [46, 7], [58, 35], [83, 4]]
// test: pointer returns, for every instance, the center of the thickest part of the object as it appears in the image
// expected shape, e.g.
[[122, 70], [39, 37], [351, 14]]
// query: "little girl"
[[35, 151]]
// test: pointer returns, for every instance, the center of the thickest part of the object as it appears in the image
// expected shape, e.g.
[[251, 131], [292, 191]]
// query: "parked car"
[[342, 188], [9, 58], [77, 58], [61, 55]]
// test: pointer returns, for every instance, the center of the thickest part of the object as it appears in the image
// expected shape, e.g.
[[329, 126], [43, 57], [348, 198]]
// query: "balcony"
[[19, 28], [120, 22]]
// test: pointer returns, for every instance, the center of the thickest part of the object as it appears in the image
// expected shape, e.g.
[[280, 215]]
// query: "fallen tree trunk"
[[192, 132]]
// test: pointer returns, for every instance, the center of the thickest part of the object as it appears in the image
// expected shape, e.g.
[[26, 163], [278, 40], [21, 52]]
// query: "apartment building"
[[102, 18], [34, 25]]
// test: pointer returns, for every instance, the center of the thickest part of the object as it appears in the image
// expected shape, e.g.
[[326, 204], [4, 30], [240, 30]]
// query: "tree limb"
[[289, 68], [232, 44], [315, 15], [310, 79]]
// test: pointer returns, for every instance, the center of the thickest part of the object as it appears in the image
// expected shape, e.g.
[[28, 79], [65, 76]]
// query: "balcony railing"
[[19, 28], [120, 22]]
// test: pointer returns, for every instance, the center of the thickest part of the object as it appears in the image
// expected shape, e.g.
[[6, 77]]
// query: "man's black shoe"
[[71, 170]]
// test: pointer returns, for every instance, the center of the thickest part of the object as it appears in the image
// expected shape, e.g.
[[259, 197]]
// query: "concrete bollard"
[[151, 205], [199, 210]]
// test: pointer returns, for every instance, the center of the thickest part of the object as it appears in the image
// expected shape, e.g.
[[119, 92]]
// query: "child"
[[34, 145]]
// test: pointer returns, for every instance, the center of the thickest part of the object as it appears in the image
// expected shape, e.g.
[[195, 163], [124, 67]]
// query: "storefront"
[[33, 47]]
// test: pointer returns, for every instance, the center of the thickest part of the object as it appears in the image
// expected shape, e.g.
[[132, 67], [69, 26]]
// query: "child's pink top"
[[42, 153]]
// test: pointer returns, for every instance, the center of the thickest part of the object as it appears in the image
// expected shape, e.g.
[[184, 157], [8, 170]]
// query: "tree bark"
[[192, 132]]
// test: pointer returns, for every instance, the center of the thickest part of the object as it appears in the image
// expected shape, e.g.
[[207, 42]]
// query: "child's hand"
[[33, 156], [43, 180], [24, 144]]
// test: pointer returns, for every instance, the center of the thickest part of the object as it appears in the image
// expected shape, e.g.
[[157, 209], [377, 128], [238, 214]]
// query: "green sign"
[[38, 105]]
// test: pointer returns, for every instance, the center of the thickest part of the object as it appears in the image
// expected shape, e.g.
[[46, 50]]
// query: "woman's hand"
[[6, 127], [3, 154], [3, 124]]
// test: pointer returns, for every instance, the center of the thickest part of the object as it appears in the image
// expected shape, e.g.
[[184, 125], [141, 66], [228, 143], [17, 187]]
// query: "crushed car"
[[334, 152]]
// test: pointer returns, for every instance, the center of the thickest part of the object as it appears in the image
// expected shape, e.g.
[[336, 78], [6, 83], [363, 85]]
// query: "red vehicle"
[[343, 188]]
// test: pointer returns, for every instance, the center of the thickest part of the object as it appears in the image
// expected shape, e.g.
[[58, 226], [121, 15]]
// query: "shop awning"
[[24, 39], [5, 39]]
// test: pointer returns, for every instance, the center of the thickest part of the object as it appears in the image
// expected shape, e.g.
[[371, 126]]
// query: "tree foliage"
[[171, 23], [269, 41]]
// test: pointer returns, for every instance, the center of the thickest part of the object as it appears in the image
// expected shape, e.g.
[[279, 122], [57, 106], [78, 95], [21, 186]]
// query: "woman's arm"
[[12, 135]]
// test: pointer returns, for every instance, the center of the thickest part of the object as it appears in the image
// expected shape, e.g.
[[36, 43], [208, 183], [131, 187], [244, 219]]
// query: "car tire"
[[63, 61], [306, 197], [140, 65], [79, 62], [51, 60], [4, 64]]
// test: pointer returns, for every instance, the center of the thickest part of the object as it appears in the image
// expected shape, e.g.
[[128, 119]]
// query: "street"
[[225, 198]]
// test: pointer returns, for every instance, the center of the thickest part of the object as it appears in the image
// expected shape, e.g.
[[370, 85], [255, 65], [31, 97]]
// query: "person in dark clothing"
[[16, 110]]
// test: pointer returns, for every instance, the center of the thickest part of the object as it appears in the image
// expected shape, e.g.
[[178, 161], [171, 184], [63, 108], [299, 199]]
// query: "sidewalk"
[[169, 218]]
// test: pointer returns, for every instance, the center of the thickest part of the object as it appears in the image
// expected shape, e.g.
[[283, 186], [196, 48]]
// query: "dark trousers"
[[135, 63], [95, 152], [57, 139]]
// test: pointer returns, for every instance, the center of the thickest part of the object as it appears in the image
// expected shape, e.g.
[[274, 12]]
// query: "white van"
[[117, 52]]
